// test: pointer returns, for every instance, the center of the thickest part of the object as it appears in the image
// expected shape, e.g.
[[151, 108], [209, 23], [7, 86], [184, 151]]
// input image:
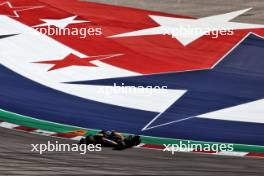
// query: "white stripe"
[[76, 138], [248, 112], [8, 125], [140, 145], [44, 132], [225, 153]]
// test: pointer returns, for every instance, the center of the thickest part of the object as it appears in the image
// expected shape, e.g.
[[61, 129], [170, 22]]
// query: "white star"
[[190, 26], [61, 23]]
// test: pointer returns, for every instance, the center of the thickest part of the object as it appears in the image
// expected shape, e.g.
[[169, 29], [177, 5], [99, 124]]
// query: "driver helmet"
[[108, 133]]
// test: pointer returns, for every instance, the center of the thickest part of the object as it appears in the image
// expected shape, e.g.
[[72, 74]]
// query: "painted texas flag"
[[207, 77]]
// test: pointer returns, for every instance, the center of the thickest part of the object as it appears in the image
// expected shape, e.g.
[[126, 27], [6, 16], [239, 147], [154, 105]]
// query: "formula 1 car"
[[112, 139]]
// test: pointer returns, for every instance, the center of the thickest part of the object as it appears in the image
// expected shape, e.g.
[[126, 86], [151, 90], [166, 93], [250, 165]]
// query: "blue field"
[[237, 79]]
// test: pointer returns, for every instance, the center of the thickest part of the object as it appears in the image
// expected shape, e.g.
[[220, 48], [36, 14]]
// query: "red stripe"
[[255, 154], [1, 121], [65, 135], [24, 128], [204, 151], [153, 146], [138, 51]]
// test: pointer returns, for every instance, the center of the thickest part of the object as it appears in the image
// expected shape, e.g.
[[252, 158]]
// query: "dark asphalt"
[[17, 159]]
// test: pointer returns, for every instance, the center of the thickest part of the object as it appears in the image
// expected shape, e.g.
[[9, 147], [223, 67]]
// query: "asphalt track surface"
[[198, 8], [16, 158]]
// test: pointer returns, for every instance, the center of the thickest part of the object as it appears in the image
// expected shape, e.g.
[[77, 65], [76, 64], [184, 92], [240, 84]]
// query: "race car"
[[113, 139]]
